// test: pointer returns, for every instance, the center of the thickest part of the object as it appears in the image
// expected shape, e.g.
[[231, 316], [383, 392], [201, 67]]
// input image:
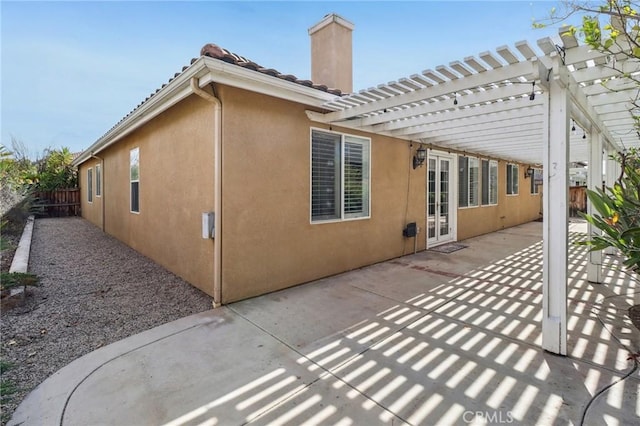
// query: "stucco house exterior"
[[224, 177]]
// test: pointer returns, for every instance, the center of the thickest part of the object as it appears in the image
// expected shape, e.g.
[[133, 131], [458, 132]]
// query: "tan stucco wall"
[[176, 186], [511, 209], [268, 240], [90, 211]]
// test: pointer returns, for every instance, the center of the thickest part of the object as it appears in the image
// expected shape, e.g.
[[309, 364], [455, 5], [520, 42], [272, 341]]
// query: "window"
[[512, 179], [339, 176], [468, 181], [90, 185], [98, 180], [134, 177], [489, 182], [536, 181]]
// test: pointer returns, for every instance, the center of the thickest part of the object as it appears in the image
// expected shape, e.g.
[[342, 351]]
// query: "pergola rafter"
[[438, 105], [518, 104]]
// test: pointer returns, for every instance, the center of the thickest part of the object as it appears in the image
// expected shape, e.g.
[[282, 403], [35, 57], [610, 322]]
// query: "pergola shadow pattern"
[[466, 351]]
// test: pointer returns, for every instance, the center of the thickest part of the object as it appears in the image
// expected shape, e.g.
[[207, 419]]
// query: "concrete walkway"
[[431, 338]]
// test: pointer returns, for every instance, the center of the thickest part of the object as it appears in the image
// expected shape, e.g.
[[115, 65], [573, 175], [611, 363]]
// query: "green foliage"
[[55, 170], [4, 366], [4, 244], [52, 171], [7, 388], [15, 170], [17, 279], [611, 26], [618, 212]]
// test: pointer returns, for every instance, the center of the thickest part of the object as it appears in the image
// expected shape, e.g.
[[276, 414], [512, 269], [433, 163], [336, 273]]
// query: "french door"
[[440, 199]]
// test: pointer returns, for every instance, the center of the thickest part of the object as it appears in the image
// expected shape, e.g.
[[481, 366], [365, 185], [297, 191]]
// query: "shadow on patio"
[[466, 350], [431, 338]]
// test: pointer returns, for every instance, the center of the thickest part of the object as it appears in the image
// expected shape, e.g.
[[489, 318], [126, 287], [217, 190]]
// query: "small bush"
[[17, 279]]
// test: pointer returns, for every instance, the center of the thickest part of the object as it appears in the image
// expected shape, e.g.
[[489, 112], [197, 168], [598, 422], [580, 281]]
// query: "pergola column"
[[556, 213], [594, 266]]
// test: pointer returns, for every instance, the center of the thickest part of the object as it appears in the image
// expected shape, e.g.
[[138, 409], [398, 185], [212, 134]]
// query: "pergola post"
[[594, 266], [556, 213]]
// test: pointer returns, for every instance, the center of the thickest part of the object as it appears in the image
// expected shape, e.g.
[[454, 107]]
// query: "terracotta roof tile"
[[214, 51]]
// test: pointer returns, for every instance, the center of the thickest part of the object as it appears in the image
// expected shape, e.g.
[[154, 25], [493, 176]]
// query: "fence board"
[[577, 200], [60, 202]]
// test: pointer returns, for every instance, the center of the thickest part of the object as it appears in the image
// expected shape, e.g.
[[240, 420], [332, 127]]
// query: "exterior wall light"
[[532, 96], [529, 172], [419, 157]]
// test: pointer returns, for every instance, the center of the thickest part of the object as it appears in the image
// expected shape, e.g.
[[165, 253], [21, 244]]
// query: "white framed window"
[[512, 179], [98, 180], [340, 176], [489, 183], [134, 179], [468, 181], [90, 185], [536, 181]]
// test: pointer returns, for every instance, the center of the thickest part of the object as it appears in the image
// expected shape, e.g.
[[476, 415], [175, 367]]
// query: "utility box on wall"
[[411, 230], [208, 225]]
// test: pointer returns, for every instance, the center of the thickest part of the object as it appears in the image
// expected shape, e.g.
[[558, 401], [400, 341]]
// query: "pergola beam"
[[526, 69]]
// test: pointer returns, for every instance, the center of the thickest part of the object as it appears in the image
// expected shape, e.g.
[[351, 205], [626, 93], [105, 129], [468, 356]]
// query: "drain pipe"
[[102, 197], [217, 191]]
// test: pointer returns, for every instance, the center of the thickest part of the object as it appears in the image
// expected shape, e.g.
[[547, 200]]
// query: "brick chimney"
[[331, 53]]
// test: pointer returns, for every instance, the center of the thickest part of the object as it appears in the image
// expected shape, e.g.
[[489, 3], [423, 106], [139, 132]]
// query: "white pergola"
[[519, 104]]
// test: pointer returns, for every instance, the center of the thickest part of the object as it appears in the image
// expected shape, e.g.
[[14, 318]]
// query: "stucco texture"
[[269, 242], [176, 186], [267, 239], [511, 210]]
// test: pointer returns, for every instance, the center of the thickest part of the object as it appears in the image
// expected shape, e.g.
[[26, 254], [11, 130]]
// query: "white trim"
[[90, 185], [479, 194], [208, 70], [342, 217], [330, 18], [243, 78], [532, 178], [137, 148], [497, 163], [98, 167], [453, 195], [506, 167]]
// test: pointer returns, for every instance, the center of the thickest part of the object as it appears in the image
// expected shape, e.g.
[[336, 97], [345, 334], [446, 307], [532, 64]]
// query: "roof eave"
[[175, 91], [237, 76], [207, 70]]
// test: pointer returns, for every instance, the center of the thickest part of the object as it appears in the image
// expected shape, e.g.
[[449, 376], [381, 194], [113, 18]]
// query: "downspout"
[[103, 196], [217, 193]]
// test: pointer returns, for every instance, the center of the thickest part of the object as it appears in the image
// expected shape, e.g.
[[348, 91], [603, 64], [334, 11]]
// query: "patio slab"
[[430, 338]]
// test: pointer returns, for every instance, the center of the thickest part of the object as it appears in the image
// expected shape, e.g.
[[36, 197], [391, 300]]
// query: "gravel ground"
[[93, 291]]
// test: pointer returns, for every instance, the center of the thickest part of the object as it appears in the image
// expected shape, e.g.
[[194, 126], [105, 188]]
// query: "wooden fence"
[[60, 202], [577, 200]]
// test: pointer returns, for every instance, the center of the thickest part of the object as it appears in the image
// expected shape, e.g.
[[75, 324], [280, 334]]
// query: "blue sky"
[[71, 70]]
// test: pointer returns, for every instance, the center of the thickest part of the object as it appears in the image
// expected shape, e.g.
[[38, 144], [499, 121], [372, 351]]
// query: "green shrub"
[[618, 212]]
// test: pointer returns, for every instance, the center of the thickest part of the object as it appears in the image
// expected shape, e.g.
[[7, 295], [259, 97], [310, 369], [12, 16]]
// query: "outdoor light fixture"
[[584, 136], [532, 96], [573, 127], [455, 98], [529, 172], [419, 157]]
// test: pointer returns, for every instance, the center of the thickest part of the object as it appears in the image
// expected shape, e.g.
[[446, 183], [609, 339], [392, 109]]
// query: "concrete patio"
[[430, 338]]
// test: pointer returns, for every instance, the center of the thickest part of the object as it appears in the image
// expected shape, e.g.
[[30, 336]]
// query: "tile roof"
[[214, 51]]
